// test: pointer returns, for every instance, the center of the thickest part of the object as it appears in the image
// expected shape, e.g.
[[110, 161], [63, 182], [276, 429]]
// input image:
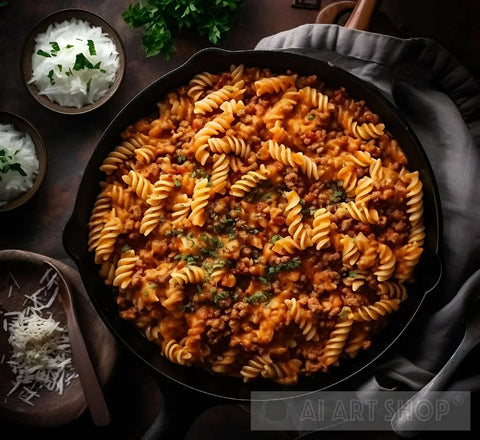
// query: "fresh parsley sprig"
[[162, 20], [8, 163]]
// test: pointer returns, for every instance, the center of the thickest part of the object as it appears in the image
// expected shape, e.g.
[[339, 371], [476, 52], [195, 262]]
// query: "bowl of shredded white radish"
[[23, 161], [73, 61]]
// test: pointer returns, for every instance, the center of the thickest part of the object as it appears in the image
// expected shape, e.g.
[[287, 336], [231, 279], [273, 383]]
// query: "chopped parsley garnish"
[[91, 47], [271, 271], [88, 84], [126, 248], [198, 172], [7, 164], [152, 286], [220, 295], [352, 274], [50, 77], [189, 307], [82, 62], [175, 233], [181, 159], [253, 231], [226, 226], [310, 116], [43, 53], [178, 183], [275, 238], [256, 298], [60, 67], [211, 242], [192, 260], [55, 46], [68, 46]]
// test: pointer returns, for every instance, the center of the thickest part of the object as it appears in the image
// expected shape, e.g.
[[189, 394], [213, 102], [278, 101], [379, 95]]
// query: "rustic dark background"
[[134, 392]]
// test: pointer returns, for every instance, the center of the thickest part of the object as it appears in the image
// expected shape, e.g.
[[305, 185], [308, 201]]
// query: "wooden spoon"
[[90, 385]]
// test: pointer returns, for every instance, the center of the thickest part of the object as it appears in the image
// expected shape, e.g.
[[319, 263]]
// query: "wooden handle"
[[361, 15]]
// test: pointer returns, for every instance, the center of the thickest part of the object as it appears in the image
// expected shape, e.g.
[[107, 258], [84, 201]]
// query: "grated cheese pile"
[[41, 353], [74, 63]]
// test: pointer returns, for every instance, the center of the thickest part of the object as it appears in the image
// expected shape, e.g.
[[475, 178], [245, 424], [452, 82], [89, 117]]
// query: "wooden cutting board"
[[50, 409]]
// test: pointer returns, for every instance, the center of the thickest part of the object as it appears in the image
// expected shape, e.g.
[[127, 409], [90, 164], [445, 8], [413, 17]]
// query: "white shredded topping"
[[41, 356], [68, 70], [17, 150]]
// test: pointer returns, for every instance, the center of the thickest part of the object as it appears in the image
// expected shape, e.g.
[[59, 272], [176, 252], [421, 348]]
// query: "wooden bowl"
[[57, 17], [50, 408], [23, 125]]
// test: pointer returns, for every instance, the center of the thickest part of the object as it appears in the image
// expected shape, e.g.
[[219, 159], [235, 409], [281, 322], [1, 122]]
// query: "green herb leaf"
[[162, 20], [43, 53], [68, 46], [275, 238], [55, 46], [126, 248], [178, 183], [81, 62], [256, 298], [181, 159], [88, 84], [91, 47], [310, 116], [50, 77]]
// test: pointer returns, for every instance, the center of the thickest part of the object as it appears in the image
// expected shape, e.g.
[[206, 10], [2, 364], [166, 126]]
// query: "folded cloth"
[[440, 100]]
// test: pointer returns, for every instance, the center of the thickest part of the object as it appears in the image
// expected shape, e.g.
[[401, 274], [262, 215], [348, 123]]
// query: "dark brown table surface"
[[134, 392]]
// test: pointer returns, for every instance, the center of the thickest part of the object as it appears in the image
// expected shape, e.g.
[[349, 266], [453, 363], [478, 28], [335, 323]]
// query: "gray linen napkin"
[[441, 101]]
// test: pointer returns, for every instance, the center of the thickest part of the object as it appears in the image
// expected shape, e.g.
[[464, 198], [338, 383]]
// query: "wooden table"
[[134, 392]]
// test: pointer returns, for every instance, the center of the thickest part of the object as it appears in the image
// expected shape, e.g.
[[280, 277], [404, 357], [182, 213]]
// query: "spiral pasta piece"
[[175, 352], [376, 170], [283, 154], [223, 362], [201, 194], [255, 366], [221, 167], [294, 217], [394, 290], [212, 128], [375, 311], [229, 144], [350, 252], [233, 106], [106, 243], [120, 196], [151, 219], [142, 187], [236, 72], [285, 373], [348, 178], [355, 342], [321, 228], [336, 341], [274, 84], [181, 209], [249, 181], [125, 268], [387, 263], [213, 100], [122, 153], [364, 131], [359, 158], [286, 245], [277, 131], [414, 199], [361, 214], [161, 190], [303, 319], [199, 84], [101, 208], [363, 191], [188, 274], [316, 99]]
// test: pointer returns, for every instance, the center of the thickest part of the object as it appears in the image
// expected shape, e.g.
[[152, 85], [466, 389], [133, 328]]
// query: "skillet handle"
[[180, 408]]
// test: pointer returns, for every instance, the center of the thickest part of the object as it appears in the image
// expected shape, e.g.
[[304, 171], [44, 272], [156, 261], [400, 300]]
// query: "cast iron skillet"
[[75, 234]]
